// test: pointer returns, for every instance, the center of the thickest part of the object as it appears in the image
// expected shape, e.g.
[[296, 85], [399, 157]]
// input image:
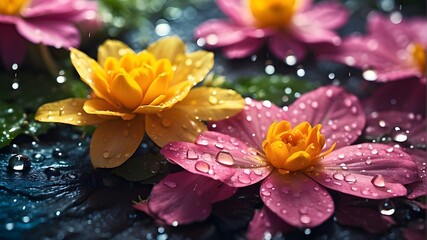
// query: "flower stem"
[[48, 60]]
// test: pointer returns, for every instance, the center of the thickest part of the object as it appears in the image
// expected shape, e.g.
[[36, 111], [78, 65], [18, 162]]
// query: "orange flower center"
[[136, 79], [418, 52], [293, 149], [12, 7], [272, 13]]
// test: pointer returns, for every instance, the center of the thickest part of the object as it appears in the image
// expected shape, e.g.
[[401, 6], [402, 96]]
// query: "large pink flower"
[[289, 27], [296, 165], [48, 22], [390, 51]]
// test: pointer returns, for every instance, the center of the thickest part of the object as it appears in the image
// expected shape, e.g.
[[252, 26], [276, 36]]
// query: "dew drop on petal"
[[169, 184], [243, 178], [202, 167], [225, 158], [350, 178], [338, 176], [305, 219], [202, 142], [378, 181], [191, 154]]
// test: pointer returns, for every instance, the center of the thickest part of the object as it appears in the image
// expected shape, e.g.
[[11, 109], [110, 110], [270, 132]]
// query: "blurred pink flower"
[[289, 27], [47, 22], [252, 146], [389, 51]]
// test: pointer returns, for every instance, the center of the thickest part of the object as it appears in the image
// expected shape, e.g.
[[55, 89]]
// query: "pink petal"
[[265, 223], [391, 97], [10, 37], [304, 5], [283, 46], [251, 124], [326, 15], [373, 171], [388, 34], [244, 48], [218, 33], [296, 199], [339, 112], [418, 189], [59, 34], [182, 198], [402, 127], [66, 10], [236, 10], [220, 157], [371, 220]]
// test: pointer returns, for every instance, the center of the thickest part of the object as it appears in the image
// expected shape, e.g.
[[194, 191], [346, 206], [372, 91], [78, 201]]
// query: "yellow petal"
[[112, 48], [212, 103], [297, 161], [149, 109], [171, 48], [68, 111], [194, 67], [126, 90], [87, 68], [101, 107], [113, 142], [158, 87], [173, 125]]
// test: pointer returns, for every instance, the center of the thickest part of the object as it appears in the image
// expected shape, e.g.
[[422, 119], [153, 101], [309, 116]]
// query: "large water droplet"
[[225, 158], [387, 208], [19, 162], [378, 181], [399, 135], [202, 167]]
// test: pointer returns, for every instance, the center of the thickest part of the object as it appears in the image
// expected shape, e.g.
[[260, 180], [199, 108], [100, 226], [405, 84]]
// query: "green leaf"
[[141, 167], [279, 89], [14, 121]]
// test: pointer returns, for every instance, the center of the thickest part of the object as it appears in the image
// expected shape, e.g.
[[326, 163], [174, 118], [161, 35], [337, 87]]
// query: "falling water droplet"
[[378, 181], [202, 167], [399, 135], [291, 60], [191, 154], [370, 75], [19, 162], [225, 158], [387, 207]]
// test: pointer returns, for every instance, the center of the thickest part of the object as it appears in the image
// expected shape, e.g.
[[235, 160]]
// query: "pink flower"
[[183, 197], [390, 51], [296, 165], [289, 27], [48, 22]]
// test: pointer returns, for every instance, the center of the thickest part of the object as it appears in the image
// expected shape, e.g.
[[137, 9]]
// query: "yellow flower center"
[[293, 149], [418, 52], [135, 79], [272, 13], [12, 7]]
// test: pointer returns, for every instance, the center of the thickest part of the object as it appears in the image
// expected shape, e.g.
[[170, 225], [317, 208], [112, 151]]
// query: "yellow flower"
[[133, 93], [12, 7]]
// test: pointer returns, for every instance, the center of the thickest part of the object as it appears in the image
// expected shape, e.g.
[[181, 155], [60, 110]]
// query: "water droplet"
[[19, 162], [291, 60], [338, 176], [350, 178], [354, 188], [202, 142], [368, 161], [370, 75], [225, 158], [175, 223], [213, 100], [52, 172], [378, 181], [202, 167], [9, 226], [243, 178], [374, 151], [191, 154], [169, 184], [343, 166], [57, 152], [38, 157], [265, 192], [387, 207], [269, 69], [106, 155], [399, 135], [305, 219], [167, 122]]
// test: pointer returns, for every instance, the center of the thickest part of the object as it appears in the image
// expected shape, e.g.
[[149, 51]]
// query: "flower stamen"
[[293, 149], [12, 7], [272, 13], [418, 53]]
